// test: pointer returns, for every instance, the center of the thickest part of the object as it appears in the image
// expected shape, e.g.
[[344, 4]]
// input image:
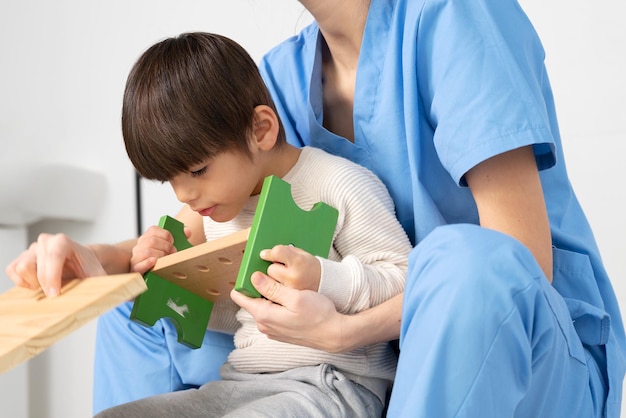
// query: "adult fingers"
[[273, 292], [300, 317], [272, 318], [271, 289], [52, 255], [23, 270], [257, 307]]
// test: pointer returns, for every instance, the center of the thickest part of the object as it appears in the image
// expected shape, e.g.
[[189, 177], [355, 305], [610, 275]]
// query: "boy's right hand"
[[154, 243]]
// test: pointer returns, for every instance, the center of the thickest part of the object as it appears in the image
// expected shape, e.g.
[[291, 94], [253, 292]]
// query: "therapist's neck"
[[342, 24]]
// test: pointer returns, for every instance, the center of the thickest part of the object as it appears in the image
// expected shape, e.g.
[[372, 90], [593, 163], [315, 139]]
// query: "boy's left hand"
[[293, 267]]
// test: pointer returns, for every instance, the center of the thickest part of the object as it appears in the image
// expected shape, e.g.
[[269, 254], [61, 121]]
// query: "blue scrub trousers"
[[485, 335], [133, 361]]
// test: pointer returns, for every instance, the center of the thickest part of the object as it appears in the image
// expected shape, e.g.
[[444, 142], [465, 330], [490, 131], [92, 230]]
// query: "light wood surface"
[[31, 322]]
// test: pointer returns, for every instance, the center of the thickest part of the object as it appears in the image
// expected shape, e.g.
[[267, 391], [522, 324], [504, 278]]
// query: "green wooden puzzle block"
[[177, 229], [188, 312], [279, 220]]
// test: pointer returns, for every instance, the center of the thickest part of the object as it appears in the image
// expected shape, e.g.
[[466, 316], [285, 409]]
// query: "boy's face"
[[220, 186]]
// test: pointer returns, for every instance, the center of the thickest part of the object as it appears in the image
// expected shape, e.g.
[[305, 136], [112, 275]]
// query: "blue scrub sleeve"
[[489, 56]]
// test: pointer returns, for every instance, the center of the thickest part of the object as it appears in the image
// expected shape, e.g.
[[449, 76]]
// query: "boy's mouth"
[[207, 211]]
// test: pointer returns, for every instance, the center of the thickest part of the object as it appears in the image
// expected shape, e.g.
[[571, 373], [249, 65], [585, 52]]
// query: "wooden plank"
[[31, 322]]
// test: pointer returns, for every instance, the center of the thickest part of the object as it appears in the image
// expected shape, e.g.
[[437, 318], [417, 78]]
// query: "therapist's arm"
[[509, 197]]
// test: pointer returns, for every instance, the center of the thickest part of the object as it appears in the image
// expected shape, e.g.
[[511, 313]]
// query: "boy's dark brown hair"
[[187, 99]]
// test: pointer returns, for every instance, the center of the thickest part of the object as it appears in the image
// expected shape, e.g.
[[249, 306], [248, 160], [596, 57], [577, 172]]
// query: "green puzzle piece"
[[177, 229], [188, 312], [278, 220]]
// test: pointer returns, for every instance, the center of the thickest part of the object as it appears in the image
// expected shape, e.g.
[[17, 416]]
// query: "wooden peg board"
[[30, 322], [209, 270]]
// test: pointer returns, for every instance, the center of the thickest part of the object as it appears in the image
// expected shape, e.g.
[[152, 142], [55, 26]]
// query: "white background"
[[62, 73]]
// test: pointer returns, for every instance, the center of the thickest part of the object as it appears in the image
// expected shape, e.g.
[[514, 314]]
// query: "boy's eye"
[[198, 173]]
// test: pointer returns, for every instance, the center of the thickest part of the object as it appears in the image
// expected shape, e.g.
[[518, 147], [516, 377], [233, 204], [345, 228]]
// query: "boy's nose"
[[186, 194]]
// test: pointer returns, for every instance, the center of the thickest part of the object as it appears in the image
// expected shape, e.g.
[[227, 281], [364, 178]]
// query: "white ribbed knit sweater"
[[367, 265]]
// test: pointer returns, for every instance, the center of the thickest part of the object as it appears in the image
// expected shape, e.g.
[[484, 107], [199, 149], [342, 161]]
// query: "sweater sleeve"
[[372, 246]]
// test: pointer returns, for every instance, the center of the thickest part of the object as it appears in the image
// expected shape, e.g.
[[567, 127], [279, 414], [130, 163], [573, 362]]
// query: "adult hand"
[[51, 259], [301, 317]]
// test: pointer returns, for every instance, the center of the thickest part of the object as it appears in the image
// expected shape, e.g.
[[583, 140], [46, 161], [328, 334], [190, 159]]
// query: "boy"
[[196, 113]]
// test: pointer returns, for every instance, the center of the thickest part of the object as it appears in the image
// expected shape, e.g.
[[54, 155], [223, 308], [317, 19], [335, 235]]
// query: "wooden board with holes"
[[209, 270], [30, 322], [183, 286]]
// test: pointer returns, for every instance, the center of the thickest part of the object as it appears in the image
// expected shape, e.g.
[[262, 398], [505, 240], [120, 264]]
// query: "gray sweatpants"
[[316, 391]]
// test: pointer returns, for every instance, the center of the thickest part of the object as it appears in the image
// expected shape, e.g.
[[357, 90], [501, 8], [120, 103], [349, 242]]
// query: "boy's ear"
[[265, 128]]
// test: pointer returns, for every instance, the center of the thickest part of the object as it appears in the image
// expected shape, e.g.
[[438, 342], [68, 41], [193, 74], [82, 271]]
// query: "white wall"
[[64, 65]]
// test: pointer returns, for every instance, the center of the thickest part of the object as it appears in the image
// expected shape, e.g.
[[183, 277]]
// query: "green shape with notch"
[[177, 229], [279, 220], [188, 312]]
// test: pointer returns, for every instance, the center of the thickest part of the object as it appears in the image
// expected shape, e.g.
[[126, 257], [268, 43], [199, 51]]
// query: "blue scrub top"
[[442, 86]]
